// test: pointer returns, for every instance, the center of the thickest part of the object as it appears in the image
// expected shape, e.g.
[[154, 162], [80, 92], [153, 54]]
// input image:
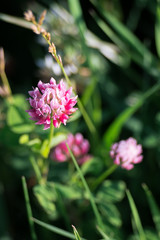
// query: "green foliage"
[[110, 52], [46, 197], [108, 194], [111, 191], [17, 118]]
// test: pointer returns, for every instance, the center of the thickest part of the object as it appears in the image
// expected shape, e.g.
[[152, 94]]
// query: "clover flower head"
[[126, 153], [51, 101], [78, 145]]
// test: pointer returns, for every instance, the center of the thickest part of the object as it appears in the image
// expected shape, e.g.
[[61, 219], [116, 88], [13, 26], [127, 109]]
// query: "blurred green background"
[[112, 54]]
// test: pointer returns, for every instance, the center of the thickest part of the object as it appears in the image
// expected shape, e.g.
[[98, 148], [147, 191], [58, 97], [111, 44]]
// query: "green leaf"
[[68, 192], [46, 197], [17, 118], [111, 213], [93, 166], [154, 208], [114, 129], [75, 116], [111, 191], [151, 141], [103, 234], [17, 121], [24, 139], [45, 148], [19, 163], [58, 138]]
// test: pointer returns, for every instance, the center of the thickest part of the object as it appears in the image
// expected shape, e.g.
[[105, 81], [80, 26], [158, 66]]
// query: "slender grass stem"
[[29, 210], [103, 176], [136, 217], [55, 229], [91, 198], [85, 115]]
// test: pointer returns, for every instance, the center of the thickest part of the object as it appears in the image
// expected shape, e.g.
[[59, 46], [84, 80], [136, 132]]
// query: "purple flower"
[[126, 153], [78, 145], [51, 101]]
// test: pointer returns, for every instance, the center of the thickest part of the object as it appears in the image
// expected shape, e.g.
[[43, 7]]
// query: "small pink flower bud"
[[78, 145]]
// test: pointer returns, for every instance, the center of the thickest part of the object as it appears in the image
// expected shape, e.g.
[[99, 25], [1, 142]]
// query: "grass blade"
[[29, 210], [154, 208], [133, 45], [15, 20], [55, 229], [136, 217], [157, 29], [76, 233]]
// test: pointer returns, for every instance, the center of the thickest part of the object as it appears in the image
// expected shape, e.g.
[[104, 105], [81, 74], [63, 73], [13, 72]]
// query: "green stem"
[[45, 167], [63, 70], [50, 135], [36, 168], [29, 210], [85, 115], [93, 204], [80, 105], [103, 176]]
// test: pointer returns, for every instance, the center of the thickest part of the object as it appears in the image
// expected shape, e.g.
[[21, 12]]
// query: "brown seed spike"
[[29, 16], [2, 61], [60, 59], [52, 49], [42, 17], [35, 29]]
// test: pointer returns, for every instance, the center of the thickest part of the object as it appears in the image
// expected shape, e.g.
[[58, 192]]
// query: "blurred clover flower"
[[126, 153], [51, 101], [78, 145]]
